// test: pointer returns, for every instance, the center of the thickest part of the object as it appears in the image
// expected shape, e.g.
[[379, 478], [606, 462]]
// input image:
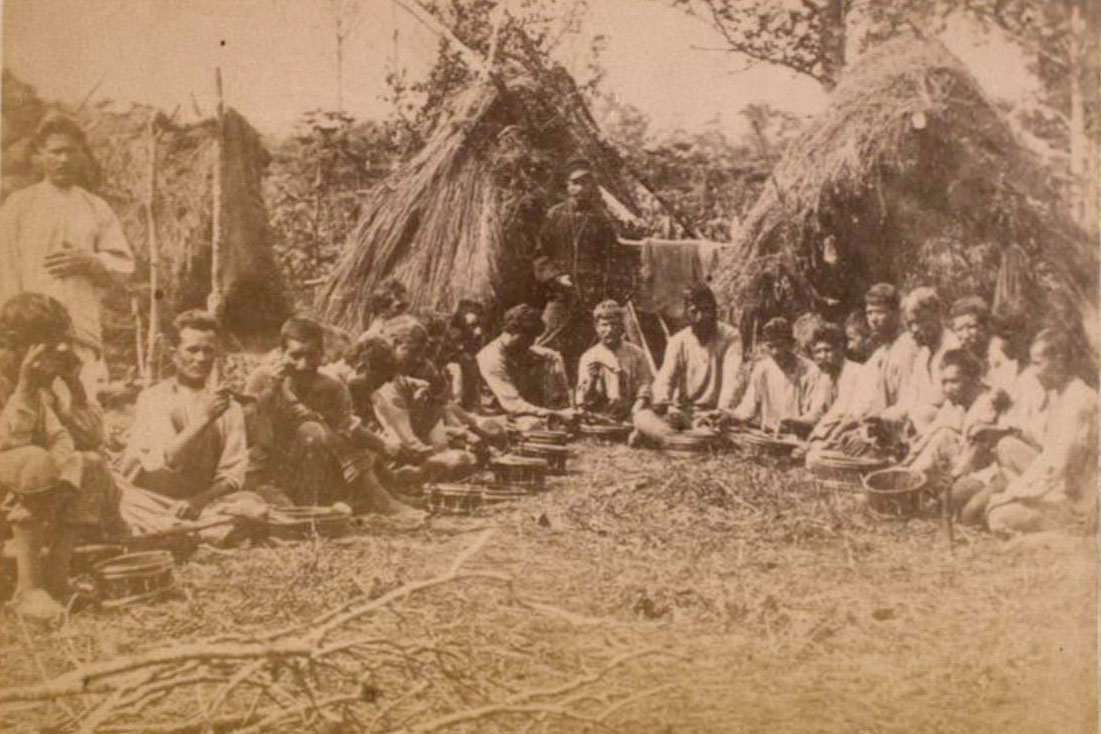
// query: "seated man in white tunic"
[[783, 393], [613, 374], [1049, 462], [698, 375]]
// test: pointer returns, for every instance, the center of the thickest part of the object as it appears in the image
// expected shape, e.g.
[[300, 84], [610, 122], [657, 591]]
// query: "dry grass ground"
[[771, 605]]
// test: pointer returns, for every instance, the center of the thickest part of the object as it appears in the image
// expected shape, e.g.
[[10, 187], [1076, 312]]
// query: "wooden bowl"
[[454, 499], [133, 577], [761, 443], [837, 469], [542, 436], [895, 492], [689, 443], [555, 456], [606, 432], [519, 471], [295, 523]]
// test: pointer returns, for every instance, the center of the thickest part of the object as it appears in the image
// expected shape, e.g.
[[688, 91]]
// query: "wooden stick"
[[154, 254], [472, 58], [214, 300], [139, 344], [661, 242], [632, 314]]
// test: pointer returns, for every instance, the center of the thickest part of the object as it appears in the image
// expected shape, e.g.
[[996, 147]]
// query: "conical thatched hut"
[[911, 176], [460, 218], [118, 168]]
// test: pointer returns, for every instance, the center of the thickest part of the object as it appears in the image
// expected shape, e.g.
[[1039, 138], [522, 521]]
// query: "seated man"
[[839, 376], [1050, 462], [698, 375], [412, 407], [959, 440], [527, 381], [188, 439], [782, 393], [306, 434], [51, 491], [969, 320], [613, 374], [858, 338], [459, 359]]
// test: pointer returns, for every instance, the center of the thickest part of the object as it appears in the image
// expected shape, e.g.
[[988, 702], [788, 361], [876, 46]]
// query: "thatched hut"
[[459, 219], [912, 176], [185, 205]]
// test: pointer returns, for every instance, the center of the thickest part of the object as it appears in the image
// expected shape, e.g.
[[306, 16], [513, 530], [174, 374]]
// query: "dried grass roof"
[[911, 175], [459, 219]]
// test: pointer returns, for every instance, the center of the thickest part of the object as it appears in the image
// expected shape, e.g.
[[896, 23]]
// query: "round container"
[[542, 436], [293, 523], [454, 499], [837, 469], [134, 577], [555, 456], [760, 443], [519, 471], [895, 492], [604, 432], [689, 443]]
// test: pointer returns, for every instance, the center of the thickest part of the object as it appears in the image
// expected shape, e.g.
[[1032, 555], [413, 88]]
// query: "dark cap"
[[577, 166], [777, 329]]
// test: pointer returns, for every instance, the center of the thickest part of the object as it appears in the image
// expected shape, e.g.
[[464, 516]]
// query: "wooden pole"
[[214, 300], [149, 371], [139, 344]]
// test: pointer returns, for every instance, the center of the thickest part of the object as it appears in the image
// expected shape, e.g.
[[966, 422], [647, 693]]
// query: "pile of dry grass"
[[911, 176], [459, 219]]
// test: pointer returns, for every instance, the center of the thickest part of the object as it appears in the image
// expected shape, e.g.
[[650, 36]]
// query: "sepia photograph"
[[549, 366]]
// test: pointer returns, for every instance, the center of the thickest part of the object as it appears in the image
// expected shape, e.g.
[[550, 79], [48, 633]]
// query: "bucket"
[[554, 455], [133, 578], [454, 499], [296, 523], [520, 471], [895, 492]]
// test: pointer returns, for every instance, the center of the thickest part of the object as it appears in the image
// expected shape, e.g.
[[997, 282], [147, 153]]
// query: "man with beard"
[[578, 264], [1049, 461], [783, 392], [698, 375], [306, 433], [60, 240], [613, 375], [526, 380]]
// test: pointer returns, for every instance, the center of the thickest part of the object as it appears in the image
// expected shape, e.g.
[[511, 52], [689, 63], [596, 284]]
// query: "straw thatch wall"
[[460, 218], [911, 176], [117, 168]]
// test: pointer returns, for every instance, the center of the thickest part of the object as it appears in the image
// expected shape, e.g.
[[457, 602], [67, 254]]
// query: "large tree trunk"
[[1089, 93]]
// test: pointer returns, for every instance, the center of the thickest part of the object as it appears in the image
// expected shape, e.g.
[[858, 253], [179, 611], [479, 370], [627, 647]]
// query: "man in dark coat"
[[579, 264]]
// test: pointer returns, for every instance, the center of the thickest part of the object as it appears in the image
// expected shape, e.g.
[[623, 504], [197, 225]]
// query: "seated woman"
[[613, 374], [783, 393], [529, 382], [698, 375], [51, 491], [1049, 461]]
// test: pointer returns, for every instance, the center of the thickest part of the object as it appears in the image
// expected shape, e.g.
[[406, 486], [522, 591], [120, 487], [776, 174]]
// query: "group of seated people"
[[998, 422], [903, 381]]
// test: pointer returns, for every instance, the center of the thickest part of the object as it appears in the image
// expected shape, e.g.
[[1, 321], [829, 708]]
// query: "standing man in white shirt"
[[58, 239]]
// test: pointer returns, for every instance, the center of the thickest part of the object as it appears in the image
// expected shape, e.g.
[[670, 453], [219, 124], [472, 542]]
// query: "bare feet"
[[36, 604]]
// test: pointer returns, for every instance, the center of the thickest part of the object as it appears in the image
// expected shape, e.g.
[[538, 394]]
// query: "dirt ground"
[[767, 604]]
